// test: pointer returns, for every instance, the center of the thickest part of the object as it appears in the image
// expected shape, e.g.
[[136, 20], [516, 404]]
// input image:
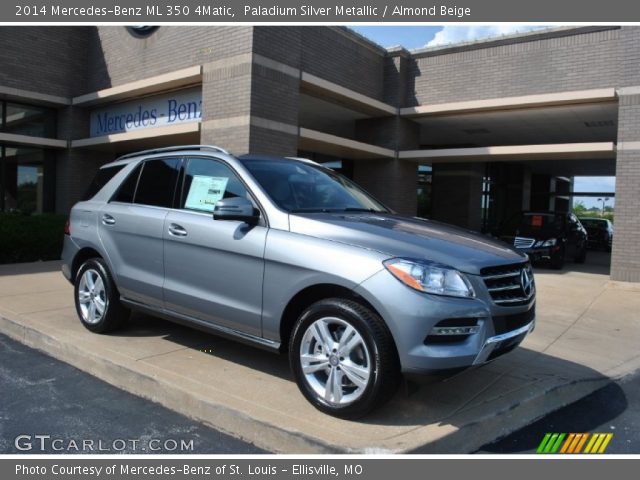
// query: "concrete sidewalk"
[[587, 333]]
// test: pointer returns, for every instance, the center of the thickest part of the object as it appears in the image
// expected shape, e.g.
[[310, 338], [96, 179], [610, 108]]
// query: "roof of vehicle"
[[250, 156], [129, 157]]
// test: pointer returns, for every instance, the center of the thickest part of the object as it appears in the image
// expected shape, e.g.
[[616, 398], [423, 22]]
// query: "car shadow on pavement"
[[597, 262], [588, 413], [455, 399], [142, 325]]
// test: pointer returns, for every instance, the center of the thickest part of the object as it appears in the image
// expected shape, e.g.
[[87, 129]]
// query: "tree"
[[579, 208]]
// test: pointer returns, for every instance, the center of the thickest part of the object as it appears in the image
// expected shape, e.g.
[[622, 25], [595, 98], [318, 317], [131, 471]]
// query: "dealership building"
[[467, 134]]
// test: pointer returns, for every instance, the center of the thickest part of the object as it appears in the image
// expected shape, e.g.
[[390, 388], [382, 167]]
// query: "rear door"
[[213, 268], [131, 229]]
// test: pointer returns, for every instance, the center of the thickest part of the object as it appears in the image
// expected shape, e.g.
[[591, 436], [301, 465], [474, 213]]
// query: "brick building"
[[495, 126]]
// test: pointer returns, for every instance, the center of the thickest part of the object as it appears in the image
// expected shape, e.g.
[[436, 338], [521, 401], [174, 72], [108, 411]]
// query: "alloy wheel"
[[92, 296], [335, 361]]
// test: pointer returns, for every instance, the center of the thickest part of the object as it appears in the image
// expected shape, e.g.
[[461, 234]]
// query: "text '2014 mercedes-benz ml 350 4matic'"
[[288, 255]]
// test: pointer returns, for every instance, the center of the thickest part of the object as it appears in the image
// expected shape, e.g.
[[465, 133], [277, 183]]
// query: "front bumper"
[[412, 315], [503, 343], [540, 254]]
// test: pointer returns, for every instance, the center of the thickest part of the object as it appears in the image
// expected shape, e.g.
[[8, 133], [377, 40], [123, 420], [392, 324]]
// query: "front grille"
[[505, 284], [508, 323], [522, 242]]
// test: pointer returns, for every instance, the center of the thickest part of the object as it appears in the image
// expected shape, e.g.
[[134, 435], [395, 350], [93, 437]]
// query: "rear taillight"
[[67, 228]]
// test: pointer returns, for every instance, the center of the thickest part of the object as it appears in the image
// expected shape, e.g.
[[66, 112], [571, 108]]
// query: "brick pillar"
[[74, 168], [457, 194], [393, 181], [625, 259], [274, 109], [226, 103]]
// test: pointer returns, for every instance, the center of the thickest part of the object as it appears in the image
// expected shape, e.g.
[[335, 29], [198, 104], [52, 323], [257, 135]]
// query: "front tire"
[[97, 299], [343, 358]]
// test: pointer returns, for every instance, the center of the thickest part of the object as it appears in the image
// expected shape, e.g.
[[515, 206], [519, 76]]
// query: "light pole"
[[603, 200]]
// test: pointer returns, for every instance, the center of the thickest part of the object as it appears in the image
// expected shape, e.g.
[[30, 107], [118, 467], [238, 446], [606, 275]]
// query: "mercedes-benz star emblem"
[[526, 282]]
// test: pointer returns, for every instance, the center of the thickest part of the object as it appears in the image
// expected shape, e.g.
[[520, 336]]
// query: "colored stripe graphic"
[[581, 443], [574, 443]]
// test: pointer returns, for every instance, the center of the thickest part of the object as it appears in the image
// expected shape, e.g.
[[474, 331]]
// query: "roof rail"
[[303, 159], [176, 148]]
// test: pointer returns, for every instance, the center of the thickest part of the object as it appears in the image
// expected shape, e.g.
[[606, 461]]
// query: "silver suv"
[[285, 254]]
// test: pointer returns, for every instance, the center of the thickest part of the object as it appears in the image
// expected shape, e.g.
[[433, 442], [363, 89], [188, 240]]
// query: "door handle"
[[108, 219], [177, 230]]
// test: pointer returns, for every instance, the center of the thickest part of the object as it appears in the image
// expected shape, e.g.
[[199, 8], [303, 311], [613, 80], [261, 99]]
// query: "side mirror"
[[236, 208]]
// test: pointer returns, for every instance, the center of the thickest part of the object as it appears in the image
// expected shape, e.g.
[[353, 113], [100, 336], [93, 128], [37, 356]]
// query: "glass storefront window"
[[28, 120], [23, 187]]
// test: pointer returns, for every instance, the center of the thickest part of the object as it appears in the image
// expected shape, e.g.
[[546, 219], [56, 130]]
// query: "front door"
[[213, 268]]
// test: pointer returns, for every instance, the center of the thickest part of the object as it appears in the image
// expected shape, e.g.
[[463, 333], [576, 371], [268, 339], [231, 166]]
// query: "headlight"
[[549, 243], [430, 277]]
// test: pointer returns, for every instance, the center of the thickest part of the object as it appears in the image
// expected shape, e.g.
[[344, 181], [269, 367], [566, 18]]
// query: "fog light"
[[455, 330]]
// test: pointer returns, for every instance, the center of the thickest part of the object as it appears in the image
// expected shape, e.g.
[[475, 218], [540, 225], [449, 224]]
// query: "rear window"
[[587, 222], [128, 188], [100, 180], [157, 182]]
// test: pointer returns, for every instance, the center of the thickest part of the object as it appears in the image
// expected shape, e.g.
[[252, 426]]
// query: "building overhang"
[[34, 98], [507, 103], [562, 151], [144, 138], [159, 83], [27, 141], [328, 144], [325, 89]]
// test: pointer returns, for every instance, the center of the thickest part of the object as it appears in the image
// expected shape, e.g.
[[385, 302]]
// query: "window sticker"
[[536, 221], [205, 191]]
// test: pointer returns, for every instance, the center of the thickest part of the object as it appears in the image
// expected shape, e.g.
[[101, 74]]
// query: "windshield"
[[299, 187], [534, 221]]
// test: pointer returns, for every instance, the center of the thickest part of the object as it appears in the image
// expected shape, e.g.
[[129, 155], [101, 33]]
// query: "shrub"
[[26, 238]]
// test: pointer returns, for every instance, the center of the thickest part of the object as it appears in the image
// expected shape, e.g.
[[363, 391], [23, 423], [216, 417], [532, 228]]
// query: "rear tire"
[[557, 259], [97, 299], [343, 358]]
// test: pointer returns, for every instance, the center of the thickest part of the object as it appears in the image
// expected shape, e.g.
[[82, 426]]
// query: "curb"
[[147, 382]]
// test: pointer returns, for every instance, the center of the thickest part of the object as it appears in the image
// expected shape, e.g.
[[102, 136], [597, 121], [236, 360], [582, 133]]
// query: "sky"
[[413, 37]]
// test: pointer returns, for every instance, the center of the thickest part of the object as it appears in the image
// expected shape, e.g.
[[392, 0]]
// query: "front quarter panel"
[[294, 262]]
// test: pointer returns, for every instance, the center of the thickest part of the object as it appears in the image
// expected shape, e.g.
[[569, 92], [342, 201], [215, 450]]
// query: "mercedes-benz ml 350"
[[288, 255]]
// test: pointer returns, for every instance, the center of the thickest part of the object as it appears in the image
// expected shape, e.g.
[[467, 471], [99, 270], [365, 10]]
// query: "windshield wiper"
[[354, 209], [334, 210], [313, 210]]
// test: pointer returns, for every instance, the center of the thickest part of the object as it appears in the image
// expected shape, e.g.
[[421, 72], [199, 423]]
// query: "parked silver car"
[[288, 255]]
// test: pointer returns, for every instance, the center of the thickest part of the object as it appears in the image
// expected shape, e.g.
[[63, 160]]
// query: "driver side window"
[[206, 181]]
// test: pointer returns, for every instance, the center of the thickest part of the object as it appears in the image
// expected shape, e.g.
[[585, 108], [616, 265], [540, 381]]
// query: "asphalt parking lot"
[[586, 336], [52, 407]]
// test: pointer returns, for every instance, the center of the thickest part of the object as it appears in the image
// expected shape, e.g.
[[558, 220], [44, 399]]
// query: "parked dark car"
[[600, 231], [547, 236]]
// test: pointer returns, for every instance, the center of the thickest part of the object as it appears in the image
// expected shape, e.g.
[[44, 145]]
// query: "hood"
[[399, 236], [531, 232]]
